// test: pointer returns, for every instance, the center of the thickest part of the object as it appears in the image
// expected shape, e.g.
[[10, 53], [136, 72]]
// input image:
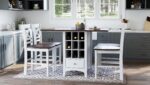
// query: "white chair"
[[56, 58], [28, 42], [37, 50], [110, 48]]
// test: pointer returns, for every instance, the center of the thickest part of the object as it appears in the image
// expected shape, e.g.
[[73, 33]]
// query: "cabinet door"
[[137, 47], [19, 47], [148, 4], [9, 51], [1, 52]]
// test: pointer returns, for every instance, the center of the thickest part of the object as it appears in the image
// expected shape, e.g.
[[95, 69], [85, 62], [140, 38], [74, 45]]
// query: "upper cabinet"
[[137, 4], [24, 4], [35, 4]]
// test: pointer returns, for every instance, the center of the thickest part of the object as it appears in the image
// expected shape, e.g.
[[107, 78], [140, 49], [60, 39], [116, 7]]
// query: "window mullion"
[[97, 8], [73, 8]]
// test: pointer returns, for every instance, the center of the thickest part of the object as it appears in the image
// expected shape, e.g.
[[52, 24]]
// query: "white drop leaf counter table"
[[76, 51]]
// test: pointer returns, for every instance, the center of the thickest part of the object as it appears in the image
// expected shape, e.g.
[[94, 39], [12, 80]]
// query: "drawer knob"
[[74, 64]]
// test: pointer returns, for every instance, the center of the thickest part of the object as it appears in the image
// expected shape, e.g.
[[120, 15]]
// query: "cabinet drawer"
[[75, 63]]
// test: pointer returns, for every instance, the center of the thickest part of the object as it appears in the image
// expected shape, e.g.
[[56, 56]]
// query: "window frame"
[[109, 17], [61, 17], [97, 10], [94, 11]]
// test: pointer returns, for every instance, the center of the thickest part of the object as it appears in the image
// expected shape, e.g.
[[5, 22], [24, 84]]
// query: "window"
[[109, 8], [63, 8], [85, 8]]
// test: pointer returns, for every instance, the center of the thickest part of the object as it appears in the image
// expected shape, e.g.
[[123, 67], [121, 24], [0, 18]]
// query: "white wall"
[[137, 18], [46, 19], [7, 17]]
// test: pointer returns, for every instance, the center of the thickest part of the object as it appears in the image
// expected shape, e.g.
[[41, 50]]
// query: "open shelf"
[[68, 45], [137, 4], [75, 44]]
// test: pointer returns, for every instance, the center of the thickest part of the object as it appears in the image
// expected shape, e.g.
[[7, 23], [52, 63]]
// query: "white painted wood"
[[77, 64], [94, 35], [64, 55], [95, 63], [110, 48], [27, 35], [35, 57]]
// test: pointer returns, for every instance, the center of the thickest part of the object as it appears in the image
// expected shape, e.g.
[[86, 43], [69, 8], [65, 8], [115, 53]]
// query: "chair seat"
[[46, 45], [107, 46]]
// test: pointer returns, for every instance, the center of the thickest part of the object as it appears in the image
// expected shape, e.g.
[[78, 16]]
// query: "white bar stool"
[[110, 48]]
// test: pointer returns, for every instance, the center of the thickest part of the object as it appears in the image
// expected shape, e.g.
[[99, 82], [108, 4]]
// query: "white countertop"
[[5, 33], [130, 31]]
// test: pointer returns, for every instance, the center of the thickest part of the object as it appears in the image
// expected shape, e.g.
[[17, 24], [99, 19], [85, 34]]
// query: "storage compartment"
[[75, 54], [81, 35], [75, 63], [68, 45], [36, 4], [75, 35], [81, 44], [68, 35], [68, 53], [75, 45], [137, 4], [81, 54]]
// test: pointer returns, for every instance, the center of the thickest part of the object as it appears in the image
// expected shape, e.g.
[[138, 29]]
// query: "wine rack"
[[76, 55]]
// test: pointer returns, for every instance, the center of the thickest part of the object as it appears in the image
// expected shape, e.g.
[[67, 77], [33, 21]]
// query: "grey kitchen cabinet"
[[11, 49], [137, 47], [8, 50], [52, 36], [19, 47], [1, 52]]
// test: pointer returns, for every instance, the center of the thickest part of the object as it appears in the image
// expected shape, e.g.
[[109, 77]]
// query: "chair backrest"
[[27, 34], [37, 34], [122, 40]]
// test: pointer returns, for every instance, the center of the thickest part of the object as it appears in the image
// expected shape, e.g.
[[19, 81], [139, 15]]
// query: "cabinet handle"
[[75, 64], [5, 46]]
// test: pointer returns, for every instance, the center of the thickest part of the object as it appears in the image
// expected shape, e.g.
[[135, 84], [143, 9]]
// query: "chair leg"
[[25, 62], [47, 62], [85, 73], [95, 64], [121, 67], [60, 55], [54, 54], [64, 73], [32, 60]]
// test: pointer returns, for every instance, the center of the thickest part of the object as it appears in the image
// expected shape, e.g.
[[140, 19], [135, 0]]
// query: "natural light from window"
[[87, 9], [63, 8], [109, 8]]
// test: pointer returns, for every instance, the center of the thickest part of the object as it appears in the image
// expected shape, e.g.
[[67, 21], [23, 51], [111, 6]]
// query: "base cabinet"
[[10, 49], [1, 52], [76, 51], [19, 47], [137, 47]]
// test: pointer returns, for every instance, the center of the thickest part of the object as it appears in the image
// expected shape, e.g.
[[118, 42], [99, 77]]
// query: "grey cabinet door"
[[1, 52], [137, 47], [19, 47], [9, 51]]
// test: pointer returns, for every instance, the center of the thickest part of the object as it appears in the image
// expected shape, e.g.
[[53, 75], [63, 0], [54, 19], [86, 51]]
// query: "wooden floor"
[[136, 75]]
